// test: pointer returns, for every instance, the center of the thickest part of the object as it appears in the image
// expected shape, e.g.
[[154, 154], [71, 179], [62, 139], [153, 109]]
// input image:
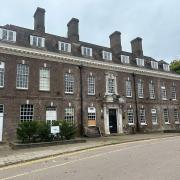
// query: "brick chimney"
[[136, 46], [39, 20], [115, 42], [73, 30]]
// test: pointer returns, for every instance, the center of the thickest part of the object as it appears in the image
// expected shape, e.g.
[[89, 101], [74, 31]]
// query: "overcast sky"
[[156, 21]]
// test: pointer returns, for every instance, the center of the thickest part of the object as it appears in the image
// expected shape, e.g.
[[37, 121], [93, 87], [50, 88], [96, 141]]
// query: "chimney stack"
[[73, 30], [115, 42], [136, 46], [39, 20]]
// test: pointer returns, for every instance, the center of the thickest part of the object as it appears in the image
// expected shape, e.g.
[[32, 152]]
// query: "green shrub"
[[32, 131], [67, 131], [44, 131], [27, 131]]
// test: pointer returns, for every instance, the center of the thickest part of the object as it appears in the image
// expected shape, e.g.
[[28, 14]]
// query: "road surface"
[[143, 160]]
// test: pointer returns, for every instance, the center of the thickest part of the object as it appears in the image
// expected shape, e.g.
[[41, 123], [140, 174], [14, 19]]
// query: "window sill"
[[174, 99], [91, 94], [154, 124], [129, 96], [164, 99], [167, 123], [140, 97], [71, 93], [177, 122], [5, 40], [143, 124], [131, 124], [22, 89], [44, 90]]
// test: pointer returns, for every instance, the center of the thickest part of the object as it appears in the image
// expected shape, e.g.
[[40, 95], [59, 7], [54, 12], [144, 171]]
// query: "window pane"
[[22, 76], [44, 79]]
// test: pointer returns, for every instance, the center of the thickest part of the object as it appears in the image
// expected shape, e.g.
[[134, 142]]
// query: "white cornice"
[[51, 56]]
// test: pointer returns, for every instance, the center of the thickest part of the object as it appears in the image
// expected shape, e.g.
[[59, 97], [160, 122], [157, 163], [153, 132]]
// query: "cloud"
[[156, 21]]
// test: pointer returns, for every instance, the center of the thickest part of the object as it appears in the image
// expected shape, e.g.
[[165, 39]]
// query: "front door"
[[1, 120], [112, 121]]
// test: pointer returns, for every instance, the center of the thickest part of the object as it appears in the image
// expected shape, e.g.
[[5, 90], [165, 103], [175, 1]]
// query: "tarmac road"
[[157, 159]]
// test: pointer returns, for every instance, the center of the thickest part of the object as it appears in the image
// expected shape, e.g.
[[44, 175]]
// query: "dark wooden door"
[[112, 121]]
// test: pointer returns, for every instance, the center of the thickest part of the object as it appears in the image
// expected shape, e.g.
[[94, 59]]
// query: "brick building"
[[48, 77]]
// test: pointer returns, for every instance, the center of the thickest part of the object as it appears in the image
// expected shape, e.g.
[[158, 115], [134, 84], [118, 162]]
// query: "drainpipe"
[[81, 99], [136, 103]]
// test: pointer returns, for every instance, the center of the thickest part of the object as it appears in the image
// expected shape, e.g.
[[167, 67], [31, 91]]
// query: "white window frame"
[[2, 72], [91, 114], [166, 67], [51, 114], [125, 59], [44, 79], [142, 116], [69, 115], [91, 85], [86, 51], [128, 88], [26, 112], [22, 76], [65, 47], [107, 55], [152, 90], [8, 35], [173, 93], [130, 116], [154, 116], [37, 41], [111, 77], [140, 87], [69, 83], [154, 65], [163, 93], [176, 116], [140, 62], [166, 116]]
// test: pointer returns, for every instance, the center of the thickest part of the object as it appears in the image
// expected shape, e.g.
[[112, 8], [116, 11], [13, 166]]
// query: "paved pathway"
[[9, 156]]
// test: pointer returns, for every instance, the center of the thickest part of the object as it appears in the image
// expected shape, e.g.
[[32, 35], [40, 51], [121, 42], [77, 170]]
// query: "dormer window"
[[125, 59], [63, 46], [7, 35], [140, 62], [37, 41], [85, 51], [107, 55], [154, 65], [166, 67]]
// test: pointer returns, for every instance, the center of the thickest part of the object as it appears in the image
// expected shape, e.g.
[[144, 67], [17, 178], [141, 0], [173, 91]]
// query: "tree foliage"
[[175, 66]]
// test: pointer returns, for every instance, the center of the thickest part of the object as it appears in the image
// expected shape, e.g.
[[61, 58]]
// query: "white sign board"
[[55, 129], [91, 110]]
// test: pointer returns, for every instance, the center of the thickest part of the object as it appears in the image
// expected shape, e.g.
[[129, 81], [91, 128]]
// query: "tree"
[[175, 66]]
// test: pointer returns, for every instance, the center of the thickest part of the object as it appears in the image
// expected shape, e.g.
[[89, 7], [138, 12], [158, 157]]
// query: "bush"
[[44, 131], [67, 131], [32, 131], [27, 131]]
